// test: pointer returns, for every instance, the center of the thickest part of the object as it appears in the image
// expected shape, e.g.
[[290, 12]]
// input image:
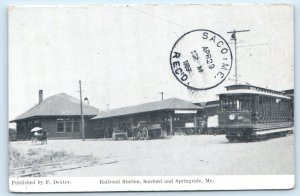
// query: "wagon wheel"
[[179, 132], [145, 133], [230, 139], [34, 140], [138, 135], [186, 132], [190, 131]]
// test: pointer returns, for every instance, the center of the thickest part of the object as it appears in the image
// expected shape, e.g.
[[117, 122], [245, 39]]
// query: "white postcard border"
[[150, 183]]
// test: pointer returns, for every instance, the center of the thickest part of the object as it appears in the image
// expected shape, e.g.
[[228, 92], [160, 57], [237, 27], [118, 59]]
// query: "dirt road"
[[180, 155]]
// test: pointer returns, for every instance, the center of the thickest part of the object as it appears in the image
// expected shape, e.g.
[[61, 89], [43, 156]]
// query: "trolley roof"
[[251, 91]]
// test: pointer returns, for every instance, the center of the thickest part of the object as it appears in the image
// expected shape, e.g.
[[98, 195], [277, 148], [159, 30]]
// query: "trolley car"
[[252, 113]]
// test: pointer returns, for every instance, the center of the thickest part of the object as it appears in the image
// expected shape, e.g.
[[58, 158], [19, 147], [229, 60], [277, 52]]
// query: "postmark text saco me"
[[201, 59]]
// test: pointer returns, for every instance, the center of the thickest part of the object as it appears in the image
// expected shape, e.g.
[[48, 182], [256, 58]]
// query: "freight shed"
[[210, 108], [210, 116], [171, 114], [59, 115]]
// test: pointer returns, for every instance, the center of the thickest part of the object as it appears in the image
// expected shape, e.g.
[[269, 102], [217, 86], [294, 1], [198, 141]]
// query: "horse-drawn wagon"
[[39, 134], [144, 130]]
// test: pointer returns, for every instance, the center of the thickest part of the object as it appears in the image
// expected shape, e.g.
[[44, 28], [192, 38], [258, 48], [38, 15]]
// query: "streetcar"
[[249, 112]]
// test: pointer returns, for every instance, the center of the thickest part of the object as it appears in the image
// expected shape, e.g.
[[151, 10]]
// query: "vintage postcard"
[[151, 98]]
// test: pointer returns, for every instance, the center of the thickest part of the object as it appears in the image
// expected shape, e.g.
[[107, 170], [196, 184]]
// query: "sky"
[[121, 53]]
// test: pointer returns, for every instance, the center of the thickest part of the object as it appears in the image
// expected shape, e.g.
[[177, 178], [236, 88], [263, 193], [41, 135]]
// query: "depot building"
[[58, 114], [169, 113]]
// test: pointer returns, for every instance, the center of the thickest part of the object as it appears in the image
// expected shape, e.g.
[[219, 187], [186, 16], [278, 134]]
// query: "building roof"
[[167, 104], [60, 104], [208, 104]]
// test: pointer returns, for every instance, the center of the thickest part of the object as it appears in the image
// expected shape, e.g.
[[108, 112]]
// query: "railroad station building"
[[169, 113], [59, 115]]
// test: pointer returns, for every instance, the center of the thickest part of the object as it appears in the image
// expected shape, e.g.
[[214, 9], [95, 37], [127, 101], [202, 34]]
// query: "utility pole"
[[162, 95], [233, 37], [81, 113]]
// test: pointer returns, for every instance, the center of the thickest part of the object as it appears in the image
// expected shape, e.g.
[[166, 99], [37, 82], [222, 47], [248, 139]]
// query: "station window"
[[60, 126], [76, 126], [68, 126]]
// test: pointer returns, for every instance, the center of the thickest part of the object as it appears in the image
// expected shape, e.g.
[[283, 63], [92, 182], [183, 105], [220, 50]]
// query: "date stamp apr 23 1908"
[[201, 59]]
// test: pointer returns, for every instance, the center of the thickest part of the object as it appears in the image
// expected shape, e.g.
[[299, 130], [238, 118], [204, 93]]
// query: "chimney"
[[40, 96]]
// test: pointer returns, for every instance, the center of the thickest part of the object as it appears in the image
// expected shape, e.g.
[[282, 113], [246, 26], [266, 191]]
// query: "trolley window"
[[233, 103]]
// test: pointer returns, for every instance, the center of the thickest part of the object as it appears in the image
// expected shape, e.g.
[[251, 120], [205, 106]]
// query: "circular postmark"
[[201, 59]]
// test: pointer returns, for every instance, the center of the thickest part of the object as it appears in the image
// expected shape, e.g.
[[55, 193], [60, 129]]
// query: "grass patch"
[[41, 160]]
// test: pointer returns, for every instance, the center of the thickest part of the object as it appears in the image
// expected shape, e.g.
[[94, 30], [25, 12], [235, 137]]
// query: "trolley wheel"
[[283, 134], [257, 137]]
